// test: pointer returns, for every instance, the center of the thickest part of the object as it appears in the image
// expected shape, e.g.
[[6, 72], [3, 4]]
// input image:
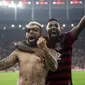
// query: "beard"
[[32, 39]]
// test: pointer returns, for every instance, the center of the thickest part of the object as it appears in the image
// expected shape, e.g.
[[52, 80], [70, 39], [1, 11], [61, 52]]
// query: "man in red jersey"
[[62, 42]]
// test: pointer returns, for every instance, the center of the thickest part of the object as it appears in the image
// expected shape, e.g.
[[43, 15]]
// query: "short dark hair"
[[52, 20]]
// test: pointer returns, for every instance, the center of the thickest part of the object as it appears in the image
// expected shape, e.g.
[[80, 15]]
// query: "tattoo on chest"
[[37, 76]]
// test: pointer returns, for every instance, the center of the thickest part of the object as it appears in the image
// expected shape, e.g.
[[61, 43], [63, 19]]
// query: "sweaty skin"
[[32, 67]]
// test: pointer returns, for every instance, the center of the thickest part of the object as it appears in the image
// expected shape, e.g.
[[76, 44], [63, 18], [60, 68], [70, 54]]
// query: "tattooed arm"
[[50, 59], [8, 61]]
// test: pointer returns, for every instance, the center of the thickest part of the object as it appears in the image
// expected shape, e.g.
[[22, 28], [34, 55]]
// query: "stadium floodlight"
[[29, 2], [20, 26], [42, 2], [23, 28], [4, 28], [64, 25], [12, 2], [46, 2], [20, 4], [37, 2], [54, 2], [1, 3], [42, 25], [80, 2], [71, 2], [72, 25], [12, 25], [5, 3], [76, 2], [12, 5]]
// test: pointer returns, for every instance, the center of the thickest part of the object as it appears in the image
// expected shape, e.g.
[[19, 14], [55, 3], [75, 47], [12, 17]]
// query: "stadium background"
[[15, 14]]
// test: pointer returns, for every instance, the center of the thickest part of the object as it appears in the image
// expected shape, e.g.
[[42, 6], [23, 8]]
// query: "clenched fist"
[[41, 43]]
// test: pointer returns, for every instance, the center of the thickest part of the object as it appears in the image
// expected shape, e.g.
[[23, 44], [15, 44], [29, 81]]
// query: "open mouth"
[[31, 40], [54, 34]]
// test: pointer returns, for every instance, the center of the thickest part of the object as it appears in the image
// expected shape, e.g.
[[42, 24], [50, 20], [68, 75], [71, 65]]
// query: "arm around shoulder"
[[51, 59]]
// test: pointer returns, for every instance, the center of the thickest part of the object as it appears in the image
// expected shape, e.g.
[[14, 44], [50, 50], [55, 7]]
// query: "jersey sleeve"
[[69, 39]]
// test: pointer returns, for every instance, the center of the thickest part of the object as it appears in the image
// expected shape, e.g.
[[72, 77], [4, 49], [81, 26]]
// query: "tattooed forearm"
[[4, 63], [51, 62], [7, 62]]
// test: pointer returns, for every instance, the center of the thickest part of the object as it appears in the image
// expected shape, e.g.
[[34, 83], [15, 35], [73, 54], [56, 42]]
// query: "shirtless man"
[[33, 67]]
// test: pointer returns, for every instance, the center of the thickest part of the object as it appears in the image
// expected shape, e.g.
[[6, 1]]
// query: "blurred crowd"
[[78, 57]]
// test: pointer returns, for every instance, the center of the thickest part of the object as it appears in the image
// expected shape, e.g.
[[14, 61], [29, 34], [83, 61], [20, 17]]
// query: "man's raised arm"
[[77, 29], [8, 61]]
